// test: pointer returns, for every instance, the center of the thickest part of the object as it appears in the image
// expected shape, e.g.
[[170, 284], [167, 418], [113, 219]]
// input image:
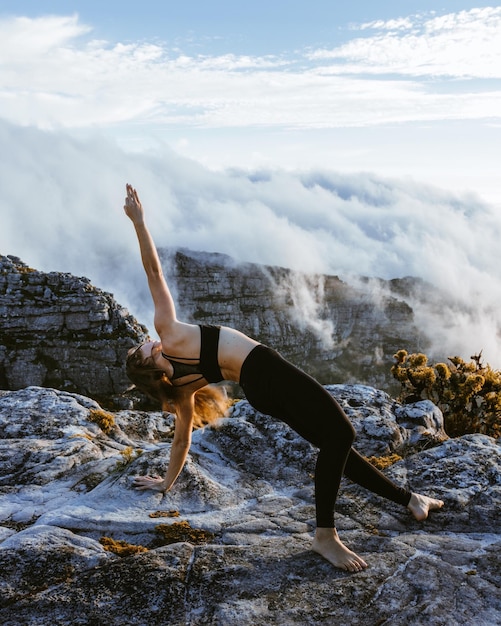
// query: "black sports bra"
[[207, 365]]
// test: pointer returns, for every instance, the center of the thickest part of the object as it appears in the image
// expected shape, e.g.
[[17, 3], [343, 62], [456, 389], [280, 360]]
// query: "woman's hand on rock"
[[149, 482]]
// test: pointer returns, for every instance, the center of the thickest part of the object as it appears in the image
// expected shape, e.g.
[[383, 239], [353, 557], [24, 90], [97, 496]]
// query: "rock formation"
[[337, 332], [245, 510], [57, 330]]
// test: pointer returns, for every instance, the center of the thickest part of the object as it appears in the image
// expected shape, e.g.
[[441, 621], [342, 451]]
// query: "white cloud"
[[459, 45], [61, 198], [24, 39], [394, 24], [61, 209], [55, 75]]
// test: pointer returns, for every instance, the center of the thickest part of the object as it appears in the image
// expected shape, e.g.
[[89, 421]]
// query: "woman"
[[189, 357]]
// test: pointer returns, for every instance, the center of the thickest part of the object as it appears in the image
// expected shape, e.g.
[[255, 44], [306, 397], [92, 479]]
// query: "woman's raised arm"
[[165, 310]]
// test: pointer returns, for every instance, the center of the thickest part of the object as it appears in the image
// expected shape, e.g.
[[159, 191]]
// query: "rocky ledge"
[[229, 545]]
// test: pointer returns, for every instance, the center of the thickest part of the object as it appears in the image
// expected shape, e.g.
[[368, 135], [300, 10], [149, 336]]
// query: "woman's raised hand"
[[132, 206]]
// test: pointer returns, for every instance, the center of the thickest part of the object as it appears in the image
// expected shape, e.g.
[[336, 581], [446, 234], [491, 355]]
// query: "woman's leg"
[[274, 386], [360, 471]]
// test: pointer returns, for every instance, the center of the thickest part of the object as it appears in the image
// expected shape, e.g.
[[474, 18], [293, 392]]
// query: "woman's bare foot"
[[328, 545], [420, 506]]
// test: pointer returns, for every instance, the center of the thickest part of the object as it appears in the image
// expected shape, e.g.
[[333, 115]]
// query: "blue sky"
[[354, 138], [258, 27]]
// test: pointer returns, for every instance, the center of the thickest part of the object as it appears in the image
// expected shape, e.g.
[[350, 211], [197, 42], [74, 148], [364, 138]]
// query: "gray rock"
[[57, 330], [249, 483]]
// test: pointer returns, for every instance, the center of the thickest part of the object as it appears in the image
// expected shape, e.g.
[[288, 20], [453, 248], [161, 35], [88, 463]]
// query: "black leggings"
[[276, 387]]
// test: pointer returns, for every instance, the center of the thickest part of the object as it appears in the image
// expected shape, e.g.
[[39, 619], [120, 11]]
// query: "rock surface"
[[57, 330], [65, 484]]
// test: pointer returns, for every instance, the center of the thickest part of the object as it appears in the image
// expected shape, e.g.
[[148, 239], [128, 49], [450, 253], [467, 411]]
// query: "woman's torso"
[[184, 343]]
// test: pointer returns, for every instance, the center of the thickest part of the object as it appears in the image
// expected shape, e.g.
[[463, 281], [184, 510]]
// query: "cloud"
[[55, 75], [393, 25], [39, 37], [459, 45], [61, 209]]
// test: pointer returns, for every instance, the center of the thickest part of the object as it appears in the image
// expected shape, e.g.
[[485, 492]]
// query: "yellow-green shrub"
[[128, 455], [467, 393], [382, 462], [181, 531]]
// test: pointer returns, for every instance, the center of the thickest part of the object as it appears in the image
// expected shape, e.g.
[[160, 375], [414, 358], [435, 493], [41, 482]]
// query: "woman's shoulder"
[[178, 338]]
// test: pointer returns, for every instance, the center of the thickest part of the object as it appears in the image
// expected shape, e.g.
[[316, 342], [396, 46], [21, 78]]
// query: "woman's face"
[[145, 349]]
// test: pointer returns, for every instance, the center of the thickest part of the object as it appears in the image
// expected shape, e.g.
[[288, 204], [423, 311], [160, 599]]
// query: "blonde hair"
[[211, 402]]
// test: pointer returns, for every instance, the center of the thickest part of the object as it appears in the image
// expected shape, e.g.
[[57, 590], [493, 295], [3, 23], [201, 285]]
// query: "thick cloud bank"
[[61, 209]]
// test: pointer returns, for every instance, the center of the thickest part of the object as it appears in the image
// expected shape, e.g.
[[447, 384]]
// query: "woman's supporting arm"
[[179, 449], [181, 443]]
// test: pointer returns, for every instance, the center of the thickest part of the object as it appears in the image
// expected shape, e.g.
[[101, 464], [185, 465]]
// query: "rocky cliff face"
[[336, 332], [230, 544], [57, 330]]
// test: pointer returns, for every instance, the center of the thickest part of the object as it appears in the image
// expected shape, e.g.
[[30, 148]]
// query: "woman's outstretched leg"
[[360, 471], [274, 386]]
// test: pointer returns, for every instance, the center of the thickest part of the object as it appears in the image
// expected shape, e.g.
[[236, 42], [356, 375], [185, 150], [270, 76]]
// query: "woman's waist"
[[257, 363], [234, 348]]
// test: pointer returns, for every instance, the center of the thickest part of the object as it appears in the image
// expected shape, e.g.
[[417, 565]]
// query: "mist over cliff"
[[61, 210]]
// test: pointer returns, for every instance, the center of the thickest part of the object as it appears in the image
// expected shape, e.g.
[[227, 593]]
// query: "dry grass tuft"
[[105, 420], [121, 548], [180, 532]]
